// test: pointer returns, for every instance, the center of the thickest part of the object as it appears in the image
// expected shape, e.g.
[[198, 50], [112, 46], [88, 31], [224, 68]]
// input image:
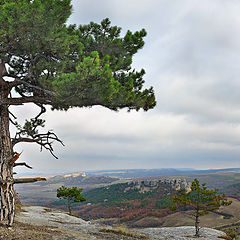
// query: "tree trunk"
[[69, 206], [197, 228], [7, 198]]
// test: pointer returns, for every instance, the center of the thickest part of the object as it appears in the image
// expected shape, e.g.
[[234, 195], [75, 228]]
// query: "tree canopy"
[[71, 195], [45, 61], [200, 199], [67, 65]]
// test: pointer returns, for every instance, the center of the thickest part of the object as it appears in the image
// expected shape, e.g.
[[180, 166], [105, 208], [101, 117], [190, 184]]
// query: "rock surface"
[[149, 185], [41, 216], [77, 229], [181, 233]]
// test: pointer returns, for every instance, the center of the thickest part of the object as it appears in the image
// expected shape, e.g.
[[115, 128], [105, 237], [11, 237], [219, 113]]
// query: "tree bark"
[[69, 206], [7, 198], [197, 228]]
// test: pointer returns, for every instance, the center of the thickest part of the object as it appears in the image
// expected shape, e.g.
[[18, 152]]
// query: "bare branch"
[[45, 140], [21, 164], [12, 114], [15, 158], [43, 110], [29, 180], [22, 139], [22, 100], [12, 121], [29, 133]]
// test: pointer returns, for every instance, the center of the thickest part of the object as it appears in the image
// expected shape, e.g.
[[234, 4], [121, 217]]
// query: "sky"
[[191, 57]]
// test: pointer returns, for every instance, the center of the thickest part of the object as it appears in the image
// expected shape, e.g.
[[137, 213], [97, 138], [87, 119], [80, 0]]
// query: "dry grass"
[[211, 220], [123, 232], [22, 231]]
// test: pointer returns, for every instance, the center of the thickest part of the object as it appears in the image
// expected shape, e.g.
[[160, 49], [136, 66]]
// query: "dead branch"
[[29, 134], [45, 140], [15, 158], [12, 114], [22, 164], [43, 110], [28, 180]]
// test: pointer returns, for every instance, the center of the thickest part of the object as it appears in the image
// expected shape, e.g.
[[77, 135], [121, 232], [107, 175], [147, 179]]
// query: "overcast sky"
[[191, 58]]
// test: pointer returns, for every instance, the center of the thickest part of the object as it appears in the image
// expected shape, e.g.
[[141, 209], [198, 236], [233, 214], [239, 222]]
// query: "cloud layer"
[[191, 57]]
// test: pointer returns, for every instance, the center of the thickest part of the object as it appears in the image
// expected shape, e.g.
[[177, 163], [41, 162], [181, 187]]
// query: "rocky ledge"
[[75, 228], [181, 233]]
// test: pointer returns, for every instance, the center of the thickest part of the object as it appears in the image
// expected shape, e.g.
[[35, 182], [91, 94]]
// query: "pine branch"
[[17, 81], [22, 100]]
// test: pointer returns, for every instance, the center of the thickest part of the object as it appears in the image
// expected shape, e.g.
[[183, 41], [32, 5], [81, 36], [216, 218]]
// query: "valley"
[[137, 202]]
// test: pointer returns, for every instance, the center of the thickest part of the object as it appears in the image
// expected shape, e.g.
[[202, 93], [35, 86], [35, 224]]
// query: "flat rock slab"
[[41, 216], [181, 233], [75, 228], [57, 220]]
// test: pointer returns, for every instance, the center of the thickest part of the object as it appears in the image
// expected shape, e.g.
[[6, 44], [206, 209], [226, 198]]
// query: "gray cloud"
[[191, 57]]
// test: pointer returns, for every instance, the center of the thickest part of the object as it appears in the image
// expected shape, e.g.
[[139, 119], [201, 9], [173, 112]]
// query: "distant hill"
[[34, 222], [133, 173], [124, 201], [141, 173], [113, 199], [142, 204], [80, 180], [232, 190], [41, 193]]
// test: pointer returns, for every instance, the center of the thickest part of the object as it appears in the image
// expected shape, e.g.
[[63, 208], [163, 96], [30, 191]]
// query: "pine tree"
[[71, 195], [46, 62], [200, 199]]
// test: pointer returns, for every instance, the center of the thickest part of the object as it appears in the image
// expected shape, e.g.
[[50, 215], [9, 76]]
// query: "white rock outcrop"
[[181, 233], [79, 229]]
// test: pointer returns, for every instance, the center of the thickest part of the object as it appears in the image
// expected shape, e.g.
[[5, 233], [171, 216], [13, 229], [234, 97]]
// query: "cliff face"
[[149, 185]]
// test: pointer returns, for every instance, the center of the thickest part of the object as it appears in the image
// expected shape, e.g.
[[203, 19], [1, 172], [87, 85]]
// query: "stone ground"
[[63, 226], [39, 223], [181, 233]]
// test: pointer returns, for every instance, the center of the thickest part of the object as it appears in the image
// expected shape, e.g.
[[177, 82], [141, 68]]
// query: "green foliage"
[[231, 234], [123, 232], [200, 199], [106, 202], [74, 194], [71, 195], [30, 127], [115, 194], [80, 66], [103, 74], [163, 202]]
